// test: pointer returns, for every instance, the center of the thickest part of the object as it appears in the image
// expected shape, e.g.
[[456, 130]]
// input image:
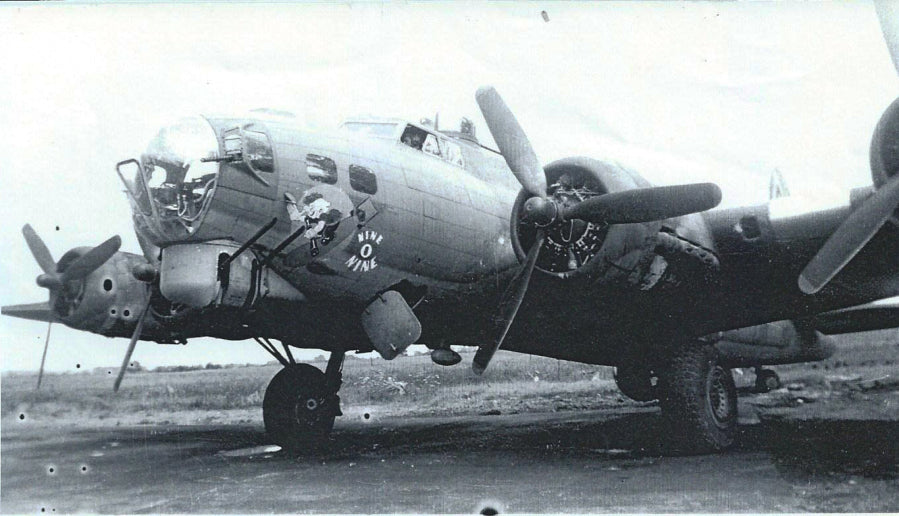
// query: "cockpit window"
[[429, 143], [413, 137], [452, 152], [372, 129], [430, 146]]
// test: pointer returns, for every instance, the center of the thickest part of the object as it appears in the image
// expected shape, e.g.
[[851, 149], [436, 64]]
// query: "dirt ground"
[[604, 460], [827, 441]]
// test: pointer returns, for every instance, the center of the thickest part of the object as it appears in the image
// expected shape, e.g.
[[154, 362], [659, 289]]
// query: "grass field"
[[405, 386]]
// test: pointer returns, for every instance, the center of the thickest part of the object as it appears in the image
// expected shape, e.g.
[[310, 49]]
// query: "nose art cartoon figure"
[[316, 218]]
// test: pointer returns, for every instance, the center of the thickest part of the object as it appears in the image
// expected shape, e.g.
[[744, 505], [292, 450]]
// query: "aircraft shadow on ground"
[[868, 448]]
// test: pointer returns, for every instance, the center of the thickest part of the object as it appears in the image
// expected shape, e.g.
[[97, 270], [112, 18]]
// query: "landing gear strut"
[[699, 400], [301, 403]]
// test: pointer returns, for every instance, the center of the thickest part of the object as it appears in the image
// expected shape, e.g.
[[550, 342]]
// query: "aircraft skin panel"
[[438, 250], [421, 245], [235, 214]]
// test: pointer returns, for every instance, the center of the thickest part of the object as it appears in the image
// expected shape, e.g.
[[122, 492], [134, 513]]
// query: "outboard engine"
[[884, 154]]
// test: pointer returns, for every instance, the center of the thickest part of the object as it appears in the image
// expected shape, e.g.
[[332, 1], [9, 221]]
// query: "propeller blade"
[[40, 373], [39, 250], [91, 261], [512, 142], [647, 204], [508, 306], [888, 13], [852, 235], [131, 345], [32, 311]]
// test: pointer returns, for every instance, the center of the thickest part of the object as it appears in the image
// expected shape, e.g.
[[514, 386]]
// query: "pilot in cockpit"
[[412, 138]]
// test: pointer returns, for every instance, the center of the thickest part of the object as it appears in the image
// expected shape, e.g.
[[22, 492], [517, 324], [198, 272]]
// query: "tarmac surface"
[[587, 461]]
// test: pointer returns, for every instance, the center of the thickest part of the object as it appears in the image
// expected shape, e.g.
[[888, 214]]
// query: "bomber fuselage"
[[331, 220]]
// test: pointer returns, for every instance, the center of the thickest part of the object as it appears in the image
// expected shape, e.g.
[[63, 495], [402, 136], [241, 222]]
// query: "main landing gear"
[[301, 403], [697, 395], [699, 400]]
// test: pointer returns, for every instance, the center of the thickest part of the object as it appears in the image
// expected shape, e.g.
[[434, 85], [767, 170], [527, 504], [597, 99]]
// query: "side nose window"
[[363, 180], [321, 168], [258, 151]]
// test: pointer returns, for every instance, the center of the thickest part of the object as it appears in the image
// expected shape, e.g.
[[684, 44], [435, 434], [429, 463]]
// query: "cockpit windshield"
[[371, 129], [173, 173]]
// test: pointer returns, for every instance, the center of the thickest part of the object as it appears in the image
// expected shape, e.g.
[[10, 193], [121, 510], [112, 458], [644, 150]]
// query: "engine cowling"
[[106, 301], [583, 249], [884, 153]]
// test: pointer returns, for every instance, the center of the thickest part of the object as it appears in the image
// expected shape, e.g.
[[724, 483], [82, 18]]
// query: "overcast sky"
[[680, 92]]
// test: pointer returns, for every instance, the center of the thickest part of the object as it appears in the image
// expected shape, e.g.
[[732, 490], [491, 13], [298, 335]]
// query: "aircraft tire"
[[699, 401], [297, 409], [635, 382]]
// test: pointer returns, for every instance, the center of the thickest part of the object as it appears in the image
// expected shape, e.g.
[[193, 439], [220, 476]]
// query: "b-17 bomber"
[[387, 232]]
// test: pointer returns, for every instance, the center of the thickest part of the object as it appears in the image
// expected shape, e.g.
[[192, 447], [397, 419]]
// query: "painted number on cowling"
[[364, 259]]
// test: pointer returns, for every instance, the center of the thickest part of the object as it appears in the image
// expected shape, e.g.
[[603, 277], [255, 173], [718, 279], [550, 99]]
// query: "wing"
[[32, 311], [872, 316], [763, 250]]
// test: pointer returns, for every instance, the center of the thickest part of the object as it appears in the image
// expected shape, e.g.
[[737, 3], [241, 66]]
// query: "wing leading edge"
[[868, 317]]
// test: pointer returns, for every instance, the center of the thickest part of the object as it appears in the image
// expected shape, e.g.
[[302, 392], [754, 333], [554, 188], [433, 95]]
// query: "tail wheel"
[[699, 400], [636, 382], [766, 380], [297, 409]]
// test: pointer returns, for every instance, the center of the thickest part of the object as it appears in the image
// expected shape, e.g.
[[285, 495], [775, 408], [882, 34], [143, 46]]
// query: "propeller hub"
[[144, 272], [50, 281], [540, 211]]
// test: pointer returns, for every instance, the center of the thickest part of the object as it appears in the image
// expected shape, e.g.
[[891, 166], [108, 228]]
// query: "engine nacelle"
[[107, 301], [779, 342], [598, 252], [884, 154]]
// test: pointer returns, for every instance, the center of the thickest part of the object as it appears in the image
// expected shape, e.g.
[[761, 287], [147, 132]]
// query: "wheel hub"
[[306, 410], [719, 399]]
